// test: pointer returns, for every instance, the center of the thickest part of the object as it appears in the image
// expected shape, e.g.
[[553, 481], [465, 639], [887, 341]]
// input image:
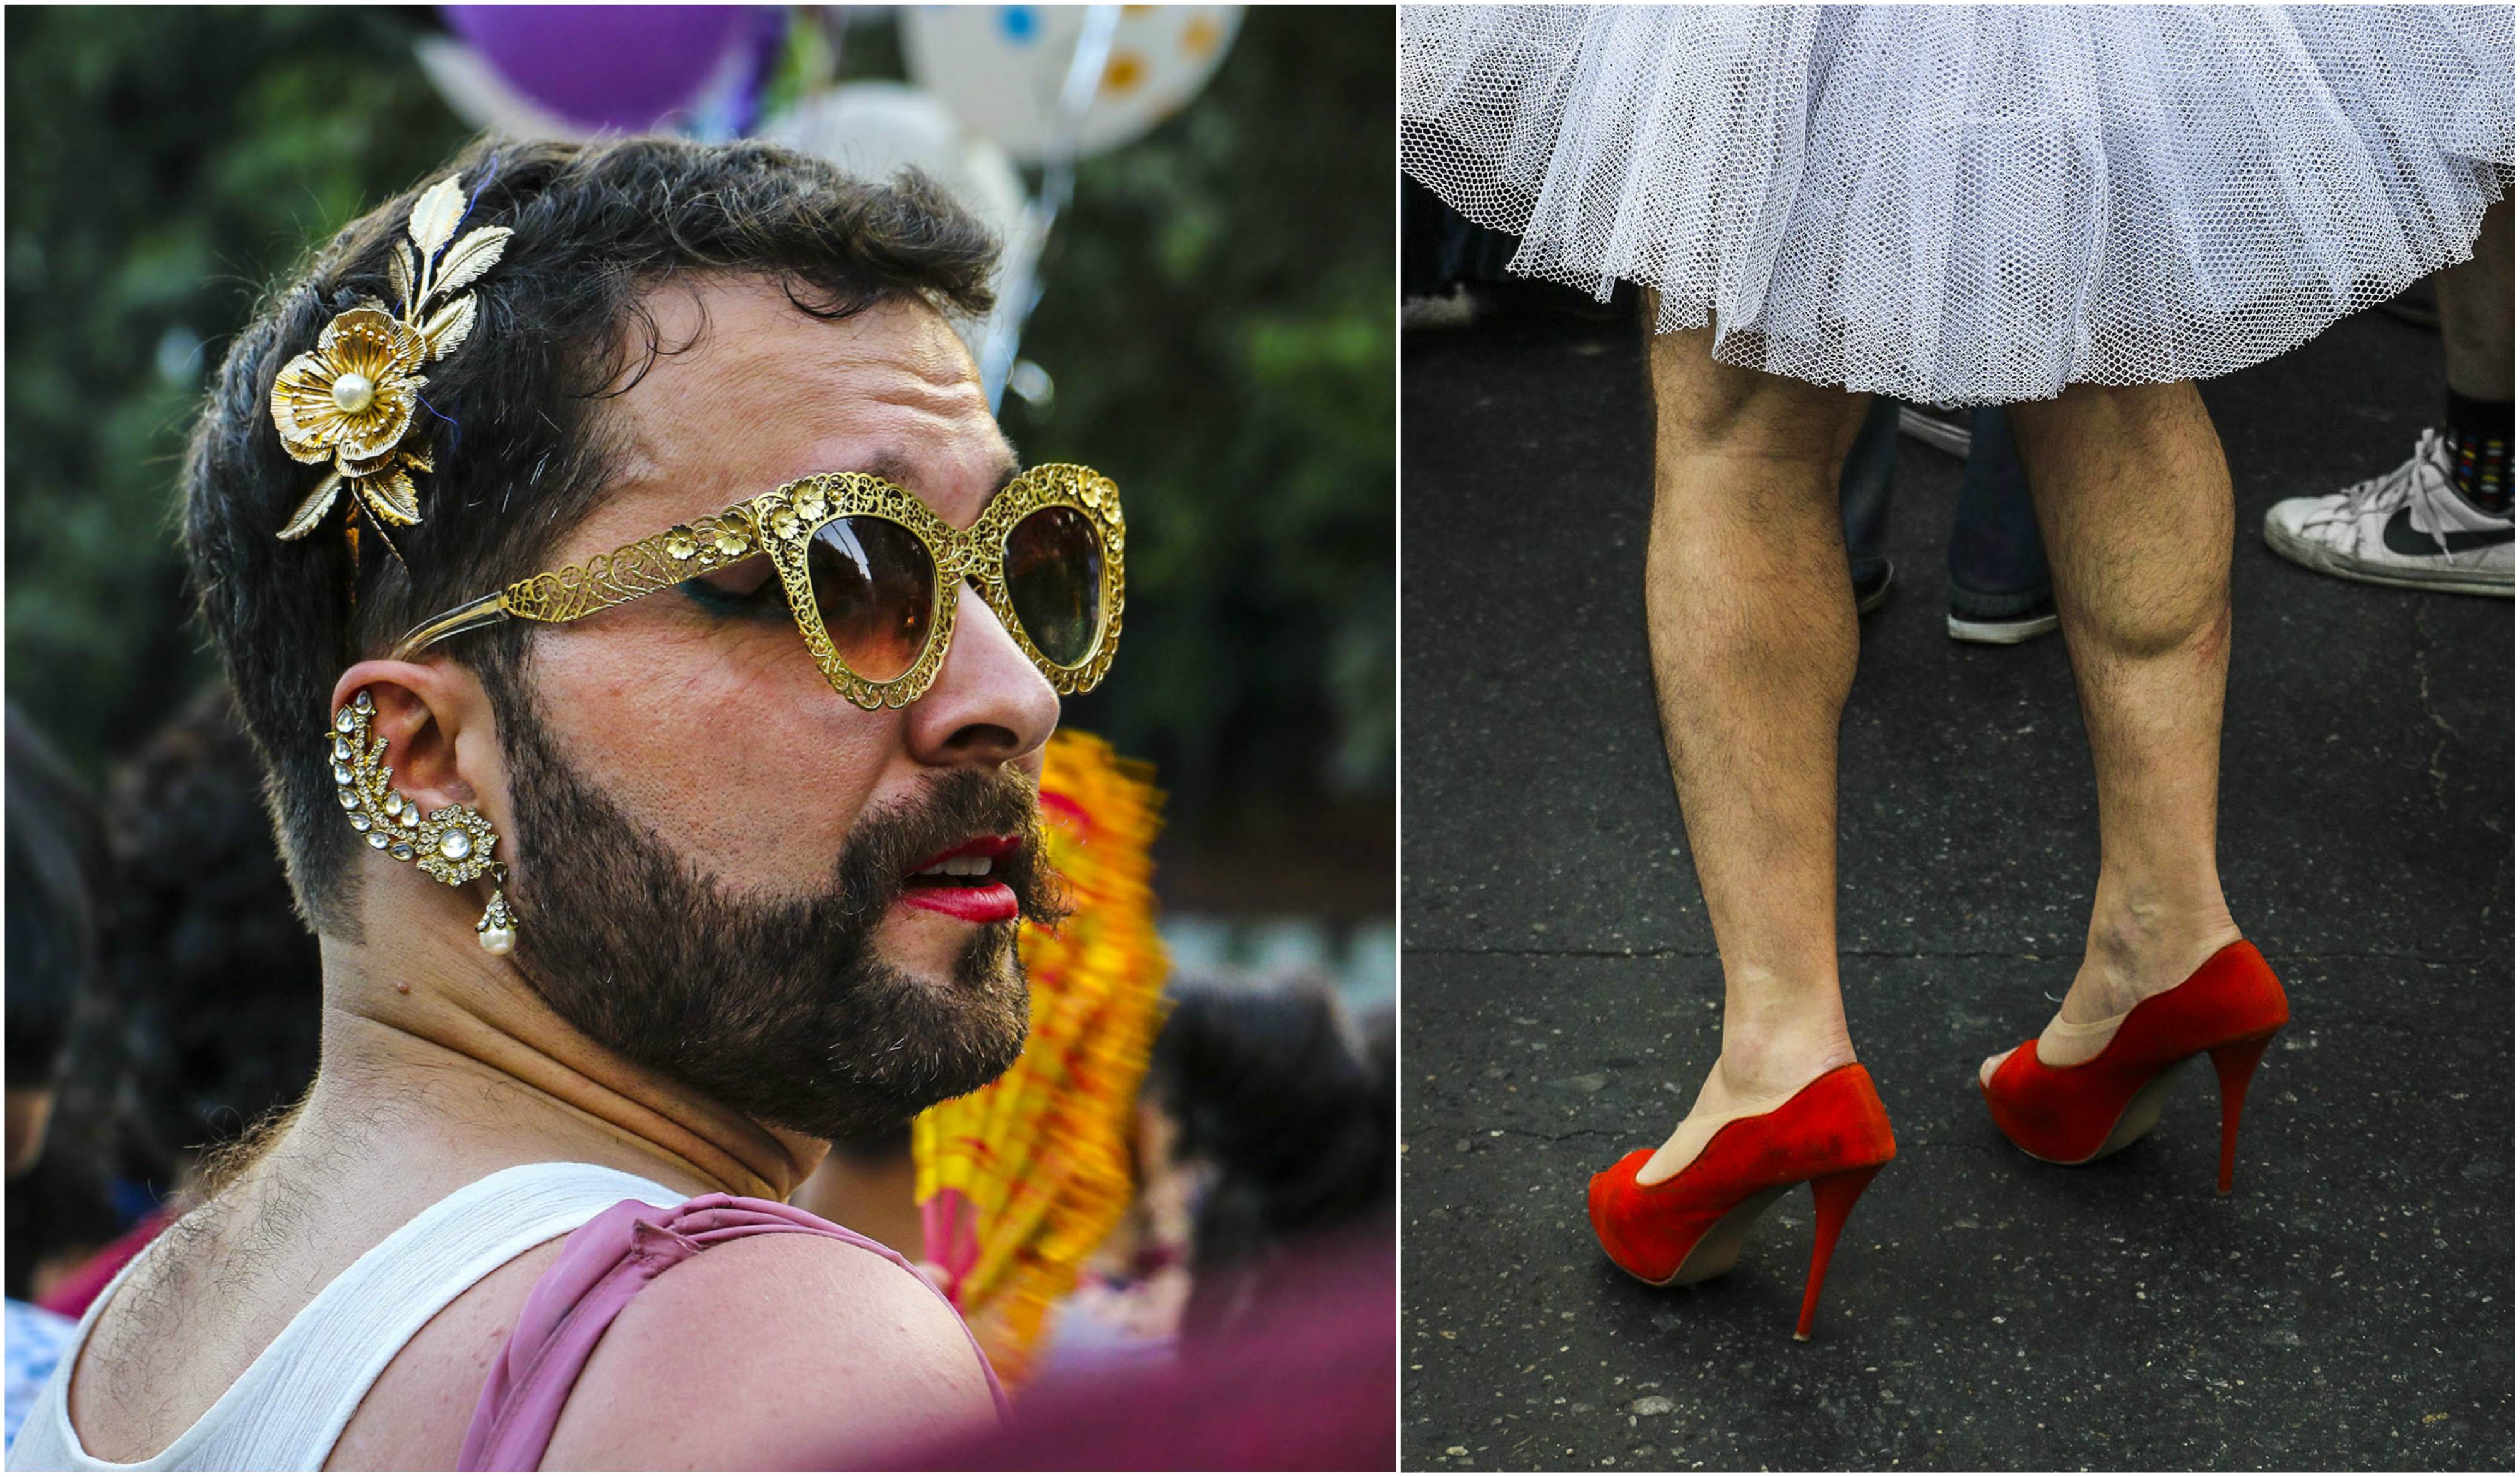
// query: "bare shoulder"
[[783, 1349]]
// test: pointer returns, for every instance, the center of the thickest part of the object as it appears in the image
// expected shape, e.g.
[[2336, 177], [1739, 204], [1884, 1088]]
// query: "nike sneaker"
[[2407, 527]]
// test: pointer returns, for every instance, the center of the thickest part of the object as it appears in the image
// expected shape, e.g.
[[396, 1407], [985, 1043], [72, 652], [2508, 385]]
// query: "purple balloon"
[[618, 67]]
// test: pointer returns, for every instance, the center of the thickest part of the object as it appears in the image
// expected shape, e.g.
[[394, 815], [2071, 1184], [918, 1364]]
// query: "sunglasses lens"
[[876, 584], [1054, 578]]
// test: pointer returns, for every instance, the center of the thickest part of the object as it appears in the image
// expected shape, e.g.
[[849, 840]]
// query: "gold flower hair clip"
[[352, 401]]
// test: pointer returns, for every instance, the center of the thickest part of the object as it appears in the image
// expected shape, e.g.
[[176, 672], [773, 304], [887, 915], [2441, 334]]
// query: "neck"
[[435, 1029]]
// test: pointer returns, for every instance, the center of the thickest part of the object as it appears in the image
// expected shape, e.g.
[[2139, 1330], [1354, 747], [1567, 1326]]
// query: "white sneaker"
[[2406, 527], [1946, 429]]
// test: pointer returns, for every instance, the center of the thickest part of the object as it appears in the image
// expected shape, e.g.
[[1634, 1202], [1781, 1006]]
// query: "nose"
[[989, 703]]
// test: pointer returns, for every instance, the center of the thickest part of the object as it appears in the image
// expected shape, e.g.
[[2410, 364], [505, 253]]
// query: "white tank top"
[[287, 1410]]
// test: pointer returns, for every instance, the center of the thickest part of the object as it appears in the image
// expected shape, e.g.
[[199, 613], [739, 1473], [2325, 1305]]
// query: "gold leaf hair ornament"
[[352, 400]]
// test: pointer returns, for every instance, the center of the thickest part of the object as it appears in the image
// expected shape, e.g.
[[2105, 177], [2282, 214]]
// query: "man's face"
[[714, 851]]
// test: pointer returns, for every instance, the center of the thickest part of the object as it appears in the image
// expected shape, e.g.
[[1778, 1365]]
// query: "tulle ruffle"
[[1964, 204]]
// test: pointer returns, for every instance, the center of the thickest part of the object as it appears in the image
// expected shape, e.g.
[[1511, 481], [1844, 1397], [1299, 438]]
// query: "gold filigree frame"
[[1054, 486], [783, 524]]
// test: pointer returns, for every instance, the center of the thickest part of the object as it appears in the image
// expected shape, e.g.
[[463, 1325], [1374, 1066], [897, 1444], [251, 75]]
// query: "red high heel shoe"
[[2228, 1009], [1833, 1133]]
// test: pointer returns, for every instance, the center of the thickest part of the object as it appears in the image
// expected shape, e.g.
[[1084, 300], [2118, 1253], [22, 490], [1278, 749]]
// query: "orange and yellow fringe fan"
[[1019, 1182]]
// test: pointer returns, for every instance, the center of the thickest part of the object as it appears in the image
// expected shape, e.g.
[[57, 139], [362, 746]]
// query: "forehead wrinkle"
[[876, 361], [892, 382], [929, 386]]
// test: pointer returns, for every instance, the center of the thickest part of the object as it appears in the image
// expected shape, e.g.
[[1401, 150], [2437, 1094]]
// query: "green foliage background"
[[1216, 320]]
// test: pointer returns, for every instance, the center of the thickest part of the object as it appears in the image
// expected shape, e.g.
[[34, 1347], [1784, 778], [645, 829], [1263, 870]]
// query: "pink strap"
[[601, 1266]]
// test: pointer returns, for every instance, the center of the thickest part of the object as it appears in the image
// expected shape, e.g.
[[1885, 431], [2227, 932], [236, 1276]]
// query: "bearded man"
[[698, 842]]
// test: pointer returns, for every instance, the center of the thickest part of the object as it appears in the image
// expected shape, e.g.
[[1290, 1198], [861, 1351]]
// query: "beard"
[[779, 1008]]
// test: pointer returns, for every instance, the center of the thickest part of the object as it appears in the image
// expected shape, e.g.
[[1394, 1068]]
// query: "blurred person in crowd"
[[1127, 1306], [2442, 519], [1276, 1118], [216, 984], [55, 854], [640, 879], [1452, 271], [64, 1209], [219, 979], [75, 1202], [1445, 261], [1996, 589], [1262, 1128], [1259, 1258]]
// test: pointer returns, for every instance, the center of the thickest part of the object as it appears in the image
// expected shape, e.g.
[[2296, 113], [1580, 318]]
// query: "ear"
[[432, 716]]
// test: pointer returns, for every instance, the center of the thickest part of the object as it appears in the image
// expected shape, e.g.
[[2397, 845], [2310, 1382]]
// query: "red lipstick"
[[957, 883]]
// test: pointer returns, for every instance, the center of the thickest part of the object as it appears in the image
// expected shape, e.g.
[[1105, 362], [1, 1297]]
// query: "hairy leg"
[[2136, 506], [1751, 618]]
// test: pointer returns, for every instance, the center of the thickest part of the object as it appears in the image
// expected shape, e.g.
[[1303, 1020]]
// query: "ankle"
[[2137, 949], [1761, 1065], [1761, 1061]]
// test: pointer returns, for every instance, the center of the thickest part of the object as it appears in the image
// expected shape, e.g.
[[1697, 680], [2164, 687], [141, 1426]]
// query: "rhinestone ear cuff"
[[451, 845]]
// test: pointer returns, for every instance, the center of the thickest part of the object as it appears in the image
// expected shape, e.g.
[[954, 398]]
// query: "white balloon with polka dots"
[[1003, 69]]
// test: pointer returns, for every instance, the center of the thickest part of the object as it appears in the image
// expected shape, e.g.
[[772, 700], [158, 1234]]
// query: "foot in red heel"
[[1834, 1135], [2229, 1008]]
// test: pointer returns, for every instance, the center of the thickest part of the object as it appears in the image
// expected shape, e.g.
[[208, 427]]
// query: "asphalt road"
[[2350, 1305]]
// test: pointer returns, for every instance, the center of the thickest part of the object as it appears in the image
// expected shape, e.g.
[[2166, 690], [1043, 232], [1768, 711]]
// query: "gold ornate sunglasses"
[[870, 574]]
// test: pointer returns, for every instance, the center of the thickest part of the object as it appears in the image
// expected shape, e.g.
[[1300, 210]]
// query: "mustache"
[[949, 811]]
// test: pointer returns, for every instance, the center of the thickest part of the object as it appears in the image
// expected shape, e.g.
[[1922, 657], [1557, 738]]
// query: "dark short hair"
[[520, 453]]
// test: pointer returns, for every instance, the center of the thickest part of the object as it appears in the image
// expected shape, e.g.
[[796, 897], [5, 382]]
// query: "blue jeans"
[[1997, 568]]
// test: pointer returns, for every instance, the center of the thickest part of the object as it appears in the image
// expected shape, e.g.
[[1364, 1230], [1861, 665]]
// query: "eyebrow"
[[895, 467]]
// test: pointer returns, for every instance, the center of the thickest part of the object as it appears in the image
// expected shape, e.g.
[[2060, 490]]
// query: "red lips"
[[992, 847], [973, 901]]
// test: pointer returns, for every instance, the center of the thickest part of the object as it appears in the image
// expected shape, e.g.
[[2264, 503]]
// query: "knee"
[[1706, 408]]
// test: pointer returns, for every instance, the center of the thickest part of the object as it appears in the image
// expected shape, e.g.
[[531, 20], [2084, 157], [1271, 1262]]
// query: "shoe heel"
[[1833, 1198], [2234, 1064]]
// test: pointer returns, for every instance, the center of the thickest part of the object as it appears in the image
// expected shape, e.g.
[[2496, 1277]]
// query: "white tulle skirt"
[[1972, 204]]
